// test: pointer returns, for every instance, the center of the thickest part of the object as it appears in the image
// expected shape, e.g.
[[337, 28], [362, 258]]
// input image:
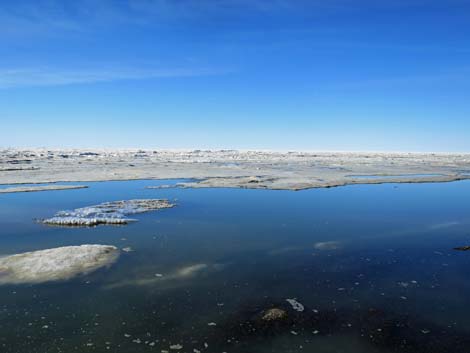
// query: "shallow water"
[[397, 176], [373, 265], [6, 186]]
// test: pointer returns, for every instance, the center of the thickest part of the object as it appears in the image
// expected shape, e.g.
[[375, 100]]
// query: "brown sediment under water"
[[356, 269]]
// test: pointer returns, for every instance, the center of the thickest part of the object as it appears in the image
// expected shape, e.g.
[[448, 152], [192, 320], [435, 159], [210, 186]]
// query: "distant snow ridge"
[[114, 212]]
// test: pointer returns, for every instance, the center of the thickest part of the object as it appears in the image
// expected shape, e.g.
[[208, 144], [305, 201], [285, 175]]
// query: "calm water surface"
[[397, 176], [373, 265]]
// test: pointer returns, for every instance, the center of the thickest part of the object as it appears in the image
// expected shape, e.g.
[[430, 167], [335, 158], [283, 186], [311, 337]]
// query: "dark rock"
[[463, 248]]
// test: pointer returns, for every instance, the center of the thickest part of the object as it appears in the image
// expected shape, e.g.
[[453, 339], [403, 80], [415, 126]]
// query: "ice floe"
[[114, 212], [55, 264]]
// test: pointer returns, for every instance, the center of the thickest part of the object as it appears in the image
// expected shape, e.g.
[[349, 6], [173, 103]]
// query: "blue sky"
[[250, 74]]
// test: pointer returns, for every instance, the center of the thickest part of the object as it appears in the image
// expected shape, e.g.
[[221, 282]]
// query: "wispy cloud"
[[39, 16], [36, 16], [10, 78], [58, 17]]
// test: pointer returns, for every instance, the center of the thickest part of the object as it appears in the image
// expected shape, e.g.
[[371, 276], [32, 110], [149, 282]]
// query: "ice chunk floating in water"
[[55, 264], [114, 212], [295, 305]]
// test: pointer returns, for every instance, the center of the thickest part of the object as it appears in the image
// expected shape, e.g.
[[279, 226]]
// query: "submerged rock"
[[327, 245], [274, 314], [381, 329], [172, 279], [55, 264], [114, 212]]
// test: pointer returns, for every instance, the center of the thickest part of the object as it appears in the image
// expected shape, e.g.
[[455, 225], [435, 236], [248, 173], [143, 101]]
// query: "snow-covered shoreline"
[[230, 168]]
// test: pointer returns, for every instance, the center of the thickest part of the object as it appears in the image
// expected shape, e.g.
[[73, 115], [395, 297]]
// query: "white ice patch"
[[114, 212], [295, 305], [55, 264]]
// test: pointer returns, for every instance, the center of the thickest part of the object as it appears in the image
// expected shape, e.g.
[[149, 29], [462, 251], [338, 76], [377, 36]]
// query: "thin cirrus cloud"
[[24, 18], [38, 16], [11, 78]]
